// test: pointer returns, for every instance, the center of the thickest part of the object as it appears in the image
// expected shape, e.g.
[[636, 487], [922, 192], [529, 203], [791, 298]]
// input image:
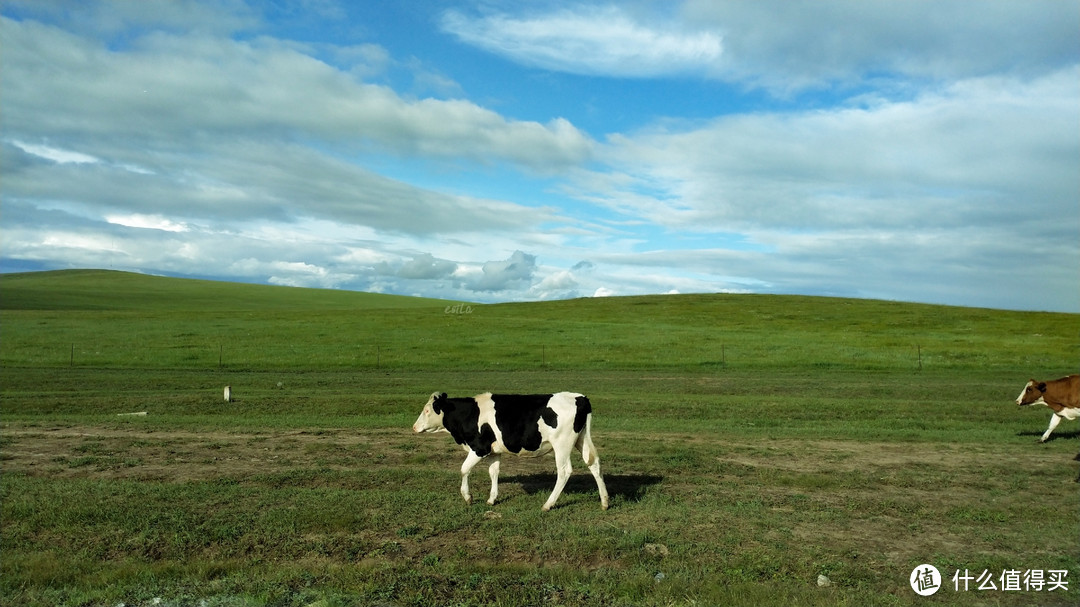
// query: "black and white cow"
[[489, 425]]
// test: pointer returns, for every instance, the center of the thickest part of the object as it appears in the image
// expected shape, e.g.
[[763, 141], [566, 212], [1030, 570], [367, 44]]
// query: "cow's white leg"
[[470, 460], [493, 472], [1054, 421], [592, 460], [594, 467], [563, 468]]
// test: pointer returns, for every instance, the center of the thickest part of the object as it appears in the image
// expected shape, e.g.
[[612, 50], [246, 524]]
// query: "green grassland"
[[750, 443]]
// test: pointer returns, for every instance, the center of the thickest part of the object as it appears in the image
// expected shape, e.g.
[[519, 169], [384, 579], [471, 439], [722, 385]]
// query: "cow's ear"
[[1042, 386], [439, 403]]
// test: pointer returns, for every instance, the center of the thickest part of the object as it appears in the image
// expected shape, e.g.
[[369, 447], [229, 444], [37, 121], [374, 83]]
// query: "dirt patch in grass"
[[181, 456]]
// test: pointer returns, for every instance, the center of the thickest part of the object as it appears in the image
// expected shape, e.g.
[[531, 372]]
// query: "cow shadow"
[[1053, 437], [630, 487]]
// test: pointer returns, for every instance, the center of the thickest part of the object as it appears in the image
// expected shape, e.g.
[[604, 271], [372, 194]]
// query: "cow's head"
[[1032, 393], [431, 418]]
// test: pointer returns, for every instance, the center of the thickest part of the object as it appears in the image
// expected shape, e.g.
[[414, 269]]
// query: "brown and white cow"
[[1061, 395], [489, 425]]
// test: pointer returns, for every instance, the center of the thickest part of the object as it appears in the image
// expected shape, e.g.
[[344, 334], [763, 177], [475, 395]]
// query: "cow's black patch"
[[584, 408], [487, 437], [461, 417], [550, 417], [518, 417]]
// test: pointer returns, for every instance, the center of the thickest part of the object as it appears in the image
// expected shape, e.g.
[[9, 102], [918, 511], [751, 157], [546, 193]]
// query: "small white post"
[[228, 394]]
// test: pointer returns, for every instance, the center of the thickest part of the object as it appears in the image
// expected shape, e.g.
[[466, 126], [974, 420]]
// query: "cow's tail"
[[583, 423], [588, 449]]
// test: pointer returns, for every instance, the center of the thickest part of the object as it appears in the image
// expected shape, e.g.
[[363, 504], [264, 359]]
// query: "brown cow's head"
[[1032, 393]]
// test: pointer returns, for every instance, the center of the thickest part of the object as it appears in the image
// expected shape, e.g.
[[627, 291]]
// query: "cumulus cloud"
[[559, 284], [424, 266], [505, 274]]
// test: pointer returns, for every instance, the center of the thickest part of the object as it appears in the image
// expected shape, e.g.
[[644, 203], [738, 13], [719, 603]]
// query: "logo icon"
[[925, 580]]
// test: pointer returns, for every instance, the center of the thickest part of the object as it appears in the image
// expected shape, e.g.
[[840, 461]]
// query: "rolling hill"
[[116, 319], [113, 290]]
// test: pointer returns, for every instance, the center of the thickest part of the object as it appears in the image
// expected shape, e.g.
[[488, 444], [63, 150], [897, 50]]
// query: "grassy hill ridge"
[[115, 319], [115, 290]]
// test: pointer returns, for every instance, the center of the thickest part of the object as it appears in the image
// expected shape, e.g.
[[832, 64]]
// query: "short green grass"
[[750, 444], [134, 321]]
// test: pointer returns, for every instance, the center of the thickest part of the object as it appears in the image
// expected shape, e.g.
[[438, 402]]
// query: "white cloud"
[[965, 155], [150, 222], [781, 46], [938, 162], [170, 91], [290, 273], [930, 195], [356, 256], [559, 284], [591, 40], [423, 266], [785, 46], [515, 272], [54, 154], [68, 241], [113, 17]]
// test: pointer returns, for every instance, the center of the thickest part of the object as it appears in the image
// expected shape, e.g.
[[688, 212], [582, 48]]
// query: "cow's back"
[[518, 419], [524, 423], [1069, 391]]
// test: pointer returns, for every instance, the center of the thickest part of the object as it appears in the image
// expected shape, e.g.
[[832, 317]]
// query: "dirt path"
[[180, 455]]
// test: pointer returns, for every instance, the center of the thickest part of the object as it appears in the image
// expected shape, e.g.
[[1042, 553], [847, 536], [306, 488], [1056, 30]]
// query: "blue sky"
[[504, 151]]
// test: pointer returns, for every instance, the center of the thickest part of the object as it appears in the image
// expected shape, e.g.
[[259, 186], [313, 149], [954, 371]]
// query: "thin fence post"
[[920, 356], [72, 362], [220, 354]]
